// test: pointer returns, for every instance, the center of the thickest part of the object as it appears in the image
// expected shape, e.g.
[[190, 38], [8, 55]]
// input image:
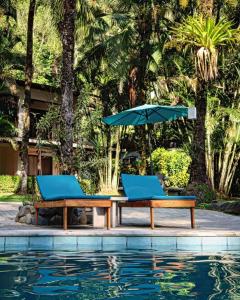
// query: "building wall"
[[8, 160], [42, 98]]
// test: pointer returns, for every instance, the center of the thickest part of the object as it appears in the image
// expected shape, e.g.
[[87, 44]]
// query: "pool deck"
[[169, 222]]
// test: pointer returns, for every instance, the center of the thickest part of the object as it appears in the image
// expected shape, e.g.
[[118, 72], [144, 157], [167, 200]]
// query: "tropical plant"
[[9, 58], [173, 165], [67, 31], [24, 103], [7, 132], [204, 38]]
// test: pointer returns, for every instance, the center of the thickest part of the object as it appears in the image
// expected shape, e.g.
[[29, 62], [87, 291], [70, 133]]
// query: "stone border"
[[113, 243], [129, 231]]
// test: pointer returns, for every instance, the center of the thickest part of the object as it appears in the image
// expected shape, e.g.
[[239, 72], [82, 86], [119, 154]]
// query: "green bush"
[[203, 192], [87, 186], [32, 185], [172, 164], [10, 184]]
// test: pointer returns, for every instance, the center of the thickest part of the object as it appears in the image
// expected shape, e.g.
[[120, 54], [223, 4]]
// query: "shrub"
[[87, 186], [10, 184], [32, 185], [172, 164], [203, 192]]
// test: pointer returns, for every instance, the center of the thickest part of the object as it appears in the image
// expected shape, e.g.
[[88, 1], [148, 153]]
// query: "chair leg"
[[192, 217], [36, 215], [120, 215], [152, 217], [108, 218], [65, 217]]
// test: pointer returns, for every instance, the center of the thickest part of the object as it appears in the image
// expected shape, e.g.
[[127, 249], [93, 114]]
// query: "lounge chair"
[[146, 191], [64, 191]]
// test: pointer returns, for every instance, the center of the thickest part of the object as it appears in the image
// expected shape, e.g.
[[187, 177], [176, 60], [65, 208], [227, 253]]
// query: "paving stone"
[[169, 222]]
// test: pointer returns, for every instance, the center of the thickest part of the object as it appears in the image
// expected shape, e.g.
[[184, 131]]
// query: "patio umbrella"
[[147, 114]]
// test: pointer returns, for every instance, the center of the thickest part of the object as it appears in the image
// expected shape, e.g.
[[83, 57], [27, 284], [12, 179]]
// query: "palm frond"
[[205, 36]]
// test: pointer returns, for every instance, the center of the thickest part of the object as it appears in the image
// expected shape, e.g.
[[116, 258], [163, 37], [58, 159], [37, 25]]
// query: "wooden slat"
[[152, 217], [74, 203], [173, 203], [160, 203], [50, 204], [88, 203], [108, 218], [192, 217], [120, 215], [142, 203], [65, 218]]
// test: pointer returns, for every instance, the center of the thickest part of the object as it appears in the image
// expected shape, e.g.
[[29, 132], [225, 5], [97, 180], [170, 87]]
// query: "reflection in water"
[[119, 275]]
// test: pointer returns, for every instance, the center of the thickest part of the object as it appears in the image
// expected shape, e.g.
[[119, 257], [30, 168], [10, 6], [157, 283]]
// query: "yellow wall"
[[8, 160]]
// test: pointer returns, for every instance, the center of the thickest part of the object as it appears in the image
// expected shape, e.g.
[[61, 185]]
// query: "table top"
[[118, 198]]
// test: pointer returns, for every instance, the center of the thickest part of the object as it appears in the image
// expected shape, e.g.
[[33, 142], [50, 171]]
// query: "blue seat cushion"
[[59, 187], [137, 187], [94, 197], [141, 187], [139, 199], [162, 198]]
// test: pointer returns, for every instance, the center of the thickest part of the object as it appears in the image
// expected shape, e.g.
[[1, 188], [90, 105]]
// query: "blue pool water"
[[130, 274]]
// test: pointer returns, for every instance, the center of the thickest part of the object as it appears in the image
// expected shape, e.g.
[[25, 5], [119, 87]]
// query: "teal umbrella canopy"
[[147, 114]]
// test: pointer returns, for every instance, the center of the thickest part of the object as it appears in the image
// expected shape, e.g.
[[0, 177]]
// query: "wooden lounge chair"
[[146, 191], [64, 191]]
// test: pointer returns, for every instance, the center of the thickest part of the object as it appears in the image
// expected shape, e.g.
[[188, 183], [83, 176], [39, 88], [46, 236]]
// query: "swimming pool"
[[126, 274]]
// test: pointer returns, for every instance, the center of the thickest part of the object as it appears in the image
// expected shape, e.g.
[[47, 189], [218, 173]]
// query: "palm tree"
[[67, 30], [205, 7], [24, 105], [204, 37]]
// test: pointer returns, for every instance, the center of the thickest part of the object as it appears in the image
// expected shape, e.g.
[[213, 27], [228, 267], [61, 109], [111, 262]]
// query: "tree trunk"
[[206, 7], [229, 159], [109, 161], [24, 105], [67, 28], [198, 171], [137, 74], [210, 160], [115, 176]]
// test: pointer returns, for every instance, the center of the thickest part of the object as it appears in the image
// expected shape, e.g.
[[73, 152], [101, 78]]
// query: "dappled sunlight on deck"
[[169, 222]]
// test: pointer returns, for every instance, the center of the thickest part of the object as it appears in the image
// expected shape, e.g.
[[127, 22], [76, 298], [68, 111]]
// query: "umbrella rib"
[[139, 117], [165, 119]]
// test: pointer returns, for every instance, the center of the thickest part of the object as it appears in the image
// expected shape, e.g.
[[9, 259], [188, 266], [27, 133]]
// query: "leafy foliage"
[[173, 165], [9, 184], [206, 36], [169, 43]]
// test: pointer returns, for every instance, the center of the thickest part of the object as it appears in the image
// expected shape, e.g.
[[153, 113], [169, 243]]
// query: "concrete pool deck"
[[169, 222]]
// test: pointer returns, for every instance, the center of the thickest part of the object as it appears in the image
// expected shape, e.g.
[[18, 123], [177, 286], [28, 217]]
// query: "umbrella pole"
[[150, 149]]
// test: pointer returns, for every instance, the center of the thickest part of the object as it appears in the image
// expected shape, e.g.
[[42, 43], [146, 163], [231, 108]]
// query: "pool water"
[[129, 274]]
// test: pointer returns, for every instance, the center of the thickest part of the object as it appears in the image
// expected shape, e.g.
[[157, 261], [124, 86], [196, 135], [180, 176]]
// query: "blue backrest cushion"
[[137, 186], [57, 187]]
